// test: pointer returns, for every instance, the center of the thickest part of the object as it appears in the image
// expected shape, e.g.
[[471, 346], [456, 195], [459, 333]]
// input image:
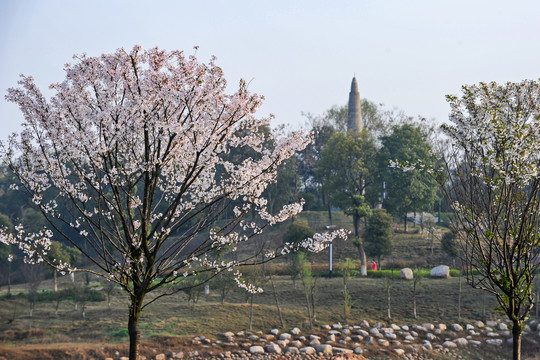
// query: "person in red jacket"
[[374, 265]]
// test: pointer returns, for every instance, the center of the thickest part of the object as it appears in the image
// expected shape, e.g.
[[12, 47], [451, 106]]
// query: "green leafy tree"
[[346, 170], [378, 234], [412, 190]]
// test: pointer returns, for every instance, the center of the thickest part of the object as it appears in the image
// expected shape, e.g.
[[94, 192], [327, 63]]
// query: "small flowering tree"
[[132, 153], [491, 172]]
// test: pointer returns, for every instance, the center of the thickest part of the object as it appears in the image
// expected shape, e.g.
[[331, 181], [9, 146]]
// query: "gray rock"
[[331, 338], [295, 331], [491, 323], [283, 343], [441, 271], [409, 338], [469, 327], [334, 332], [429, 326], [383, 342], [284, 336], [273, 349], [346, 331], [308, 350], [362, 333], [274, 332], [358, 350], [338, 350], [256, 350], [292, 350], [478, 324], [496, 342], [430, 337], [427, 345], [314, 337], [160, 357], [441, 327], [475, 342], [314, 342], [461, 341], [503, 326], [364, 324], [228, 334], [399, 352], [337, 326], [253, 337], [456, 327], [449, 344], [405, 327], [406, 274], [374, 331], [326, 327], [324, 348], [395, 327], [296, 344], [492, 334], [390, 336]]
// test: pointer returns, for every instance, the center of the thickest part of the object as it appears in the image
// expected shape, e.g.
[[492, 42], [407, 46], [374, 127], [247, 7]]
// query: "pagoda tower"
[[354, 118]]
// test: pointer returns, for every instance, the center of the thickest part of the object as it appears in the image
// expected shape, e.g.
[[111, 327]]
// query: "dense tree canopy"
[[412, 190]]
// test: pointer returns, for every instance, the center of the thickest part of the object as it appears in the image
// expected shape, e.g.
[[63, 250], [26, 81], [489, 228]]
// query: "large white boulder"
[[406, 274], [441, 271]]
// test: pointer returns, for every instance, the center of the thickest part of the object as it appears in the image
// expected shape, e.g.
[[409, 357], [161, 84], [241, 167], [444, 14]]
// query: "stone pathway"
[[340, 342]]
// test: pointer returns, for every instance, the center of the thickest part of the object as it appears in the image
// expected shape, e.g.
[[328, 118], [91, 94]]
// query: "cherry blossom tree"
[[131, 152], [491, 173]]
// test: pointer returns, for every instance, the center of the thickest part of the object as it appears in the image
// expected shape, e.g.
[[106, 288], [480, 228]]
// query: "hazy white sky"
[[301, 55]]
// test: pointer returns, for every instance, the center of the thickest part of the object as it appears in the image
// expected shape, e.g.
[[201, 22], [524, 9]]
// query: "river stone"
[[273, 349], [296, 344], [363, 333], [399, 352], [337, 326], [478, 324], [449, 344], [441, 327], [497, 342], [292, 350], [405, 327], [295, 331], [160, 357], [358, 350], [364, 324], [331, 338], [441, 271], [461, 341], [324, 348], [456, 327], [338, 350], [492, 334], [503, 326], [307, 350], [429, 326], [228, 334], [274, 332], [283, 343], [256, 350], [284, 336], [491, 323], [383, 342], [427, 345], [314, 342]]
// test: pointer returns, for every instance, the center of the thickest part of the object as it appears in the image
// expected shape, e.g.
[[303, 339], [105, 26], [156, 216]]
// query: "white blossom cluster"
[[136, 144]]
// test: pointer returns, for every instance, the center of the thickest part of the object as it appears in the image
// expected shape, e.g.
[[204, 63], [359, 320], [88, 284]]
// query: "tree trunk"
[[277, 302], [330, 213], [251, 313], [9, 279], [388, 297], [405, 222], [133, 325], [516, 338], [55, 281], [363, 261], [459, 298]]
